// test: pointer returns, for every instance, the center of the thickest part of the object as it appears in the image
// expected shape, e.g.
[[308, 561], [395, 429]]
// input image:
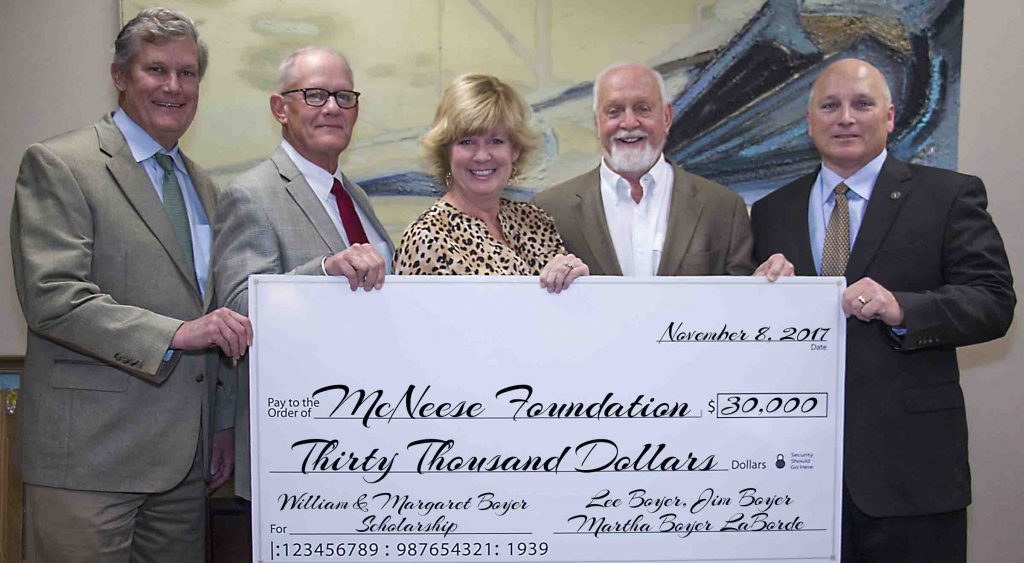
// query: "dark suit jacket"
[[104, 285], [708, 232], [927, 237]]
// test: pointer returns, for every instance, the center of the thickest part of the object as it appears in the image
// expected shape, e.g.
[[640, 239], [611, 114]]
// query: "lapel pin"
[[895, 195]]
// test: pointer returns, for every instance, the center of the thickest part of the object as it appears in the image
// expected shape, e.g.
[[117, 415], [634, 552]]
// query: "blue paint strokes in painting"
[[740, 119]]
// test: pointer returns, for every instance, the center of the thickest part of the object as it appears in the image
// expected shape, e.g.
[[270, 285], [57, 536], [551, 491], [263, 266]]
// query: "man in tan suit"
[[110, 237], [638, 215], [296, 212]]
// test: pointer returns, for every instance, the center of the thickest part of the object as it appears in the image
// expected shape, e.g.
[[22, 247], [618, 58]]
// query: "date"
[[679, 332]]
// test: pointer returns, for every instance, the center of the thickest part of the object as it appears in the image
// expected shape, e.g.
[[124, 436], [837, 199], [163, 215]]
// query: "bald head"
[[850, 115], [633, 70], [286, 71], [851, 68]]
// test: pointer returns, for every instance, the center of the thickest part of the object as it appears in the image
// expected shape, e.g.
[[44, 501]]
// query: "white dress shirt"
[[321, 181], [638, 229]]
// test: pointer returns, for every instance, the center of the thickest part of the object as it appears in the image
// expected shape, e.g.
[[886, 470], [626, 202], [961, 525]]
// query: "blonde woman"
[[479, 141]]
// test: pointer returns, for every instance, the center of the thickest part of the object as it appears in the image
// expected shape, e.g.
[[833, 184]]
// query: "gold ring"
[[863, 301]]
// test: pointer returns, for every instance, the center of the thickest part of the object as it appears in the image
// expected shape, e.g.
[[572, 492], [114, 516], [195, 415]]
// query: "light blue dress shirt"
[[823, 199], [144, 148]]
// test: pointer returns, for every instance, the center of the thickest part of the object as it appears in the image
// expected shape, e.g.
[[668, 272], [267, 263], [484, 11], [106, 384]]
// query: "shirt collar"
[[319, 179], [861, 182], [658, 175], [142, 145]]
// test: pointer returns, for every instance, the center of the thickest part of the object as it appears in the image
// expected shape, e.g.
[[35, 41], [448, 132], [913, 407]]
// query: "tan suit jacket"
[[708, 232], [104, 285], [269, 221]]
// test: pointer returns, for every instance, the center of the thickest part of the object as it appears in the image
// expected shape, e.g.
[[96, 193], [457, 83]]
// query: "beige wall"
[[55, 64], [991, 122]]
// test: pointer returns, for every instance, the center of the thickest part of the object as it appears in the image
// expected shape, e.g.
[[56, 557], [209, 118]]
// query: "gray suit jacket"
[[269, 221], [104, 285], [708, 232]]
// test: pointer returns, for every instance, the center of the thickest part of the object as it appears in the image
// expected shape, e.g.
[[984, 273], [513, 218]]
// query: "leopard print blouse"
[[446, 241]]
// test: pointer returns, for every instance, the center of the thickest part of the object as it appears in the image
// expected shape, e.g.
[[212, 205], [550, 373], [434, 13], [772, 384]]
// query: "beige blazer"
[[708, 232], [269, 221], [104, 285]]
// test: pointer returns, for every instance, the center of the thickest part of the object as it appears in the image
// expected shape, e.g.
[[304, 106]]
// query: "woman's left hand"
[[560, 271]]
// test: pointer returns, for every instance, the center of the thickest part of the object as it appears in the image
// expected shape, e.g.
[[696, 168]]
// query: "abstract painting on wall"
[[738, 73]]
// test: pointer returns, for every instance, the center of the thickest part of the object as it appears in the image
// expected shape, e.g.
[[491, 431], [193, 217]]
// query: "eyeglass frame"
[[330, 95]]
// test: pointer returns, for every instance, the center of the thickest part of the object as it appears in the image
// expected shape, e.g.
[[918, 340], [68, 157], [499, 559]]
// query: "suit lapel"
[[133, 181], [204, 186], [891, 190], [362, 202], [683, 216], [798, 243], [594, 224], [208, 196], [305, 198]]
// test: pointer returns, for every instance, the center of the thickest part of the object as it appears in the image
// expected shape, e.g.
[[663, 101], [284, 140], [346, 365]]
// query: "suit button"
[[199, 378]]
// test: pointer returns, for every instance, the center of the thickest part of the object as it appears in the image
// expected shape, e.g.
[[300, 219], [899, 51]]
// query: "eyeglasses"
[[317, 97]]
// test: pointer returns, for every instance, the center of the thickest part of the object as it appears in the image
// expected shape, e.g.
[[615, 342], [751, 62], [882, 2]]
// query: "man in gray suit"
[[296, 213], [110, 237], [638, 215]]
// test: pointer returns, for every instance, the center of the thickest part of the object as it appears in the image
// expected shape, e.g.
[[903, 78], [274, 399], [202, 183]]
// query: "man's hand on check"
[[360, 264], [774, 267]]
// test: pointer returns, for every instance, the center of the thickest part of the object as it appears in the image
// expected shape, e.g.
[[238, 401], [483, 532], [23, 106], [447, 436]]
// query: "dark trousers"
[[930, 538]]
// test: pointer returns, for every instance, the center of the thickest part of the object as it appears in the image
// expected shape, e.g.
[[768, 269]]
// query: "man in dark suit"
[[638, 215], [927, 273], [110, 237], [287, 215]]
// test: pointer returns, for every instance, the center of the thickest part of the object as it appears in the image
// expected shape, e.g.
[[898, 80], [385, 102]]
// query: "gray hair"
[[156, 26], [284, 70], [617, 66]]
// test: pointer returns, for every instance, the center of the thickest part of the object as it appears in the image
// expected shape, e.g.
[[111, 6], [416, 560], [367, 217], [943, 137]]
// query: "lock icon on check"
[[780, 462]]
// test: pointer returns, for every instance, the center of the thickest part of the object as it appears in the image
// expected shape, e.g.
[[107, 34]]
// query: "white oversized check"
[[483, 419]]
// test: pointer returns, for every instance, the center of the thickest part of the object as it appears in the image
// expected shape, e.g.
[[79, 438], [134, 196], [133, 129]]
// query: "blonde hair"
[[471, 105]]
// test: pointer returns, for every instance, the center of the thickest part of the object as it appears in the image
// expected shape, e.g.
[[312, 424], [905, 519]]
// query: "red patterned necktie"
[[349, 217]]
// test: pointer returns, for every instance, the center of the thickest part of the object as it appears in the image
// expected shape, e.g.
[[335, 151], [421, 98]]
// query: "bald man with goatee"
[[927, 273]]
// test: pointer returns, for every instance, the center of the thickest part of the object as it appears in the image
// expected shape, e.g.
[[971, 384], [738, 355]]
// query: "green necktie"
[[174, 206]]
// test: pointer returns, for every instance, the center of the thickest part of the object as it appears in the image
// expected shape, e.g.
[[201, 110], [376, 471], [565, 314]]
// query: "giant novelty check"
[[483, 419]]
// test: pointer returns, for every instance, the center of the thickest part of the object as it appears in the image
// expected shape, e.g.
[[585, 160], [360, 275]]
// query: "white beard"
[[633, 160]]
